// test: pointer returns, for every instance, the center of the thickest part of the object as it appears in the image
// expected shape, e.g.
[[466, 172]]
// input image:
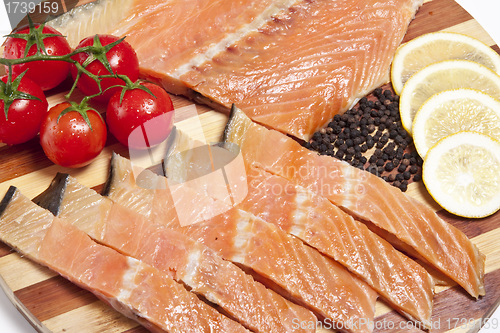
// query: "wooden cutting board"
[[52, 304]]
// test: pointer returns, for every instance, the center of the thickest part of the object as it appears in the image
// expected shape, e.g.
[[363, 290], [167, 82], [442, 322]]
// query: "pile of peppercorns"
[[371, 137]]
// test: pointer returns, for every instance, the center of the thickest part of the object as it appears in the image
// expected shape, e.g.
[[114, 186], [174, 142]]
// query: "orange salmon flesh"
[[288, 64]]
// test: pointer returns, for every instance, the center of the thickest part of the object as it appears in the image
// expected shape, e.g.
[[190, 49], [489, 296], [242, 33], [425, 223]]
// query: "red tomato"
[[121, 57], [69, 141], [47, 74], [24, 115], [140, 120]]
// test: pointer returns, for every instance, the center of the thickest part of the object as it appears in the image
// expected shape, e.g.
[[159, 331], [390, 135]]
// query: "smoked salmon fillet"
[[283, 261], [130, 286], [289, 64], [405, 222], [403, 283], [191, 263]]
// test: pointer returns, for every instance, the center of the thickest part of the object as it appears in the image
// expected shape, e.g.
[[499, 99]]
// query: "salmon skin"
[[405, 222], [130, 286], [278, 259], [225, 51], [189, 262]]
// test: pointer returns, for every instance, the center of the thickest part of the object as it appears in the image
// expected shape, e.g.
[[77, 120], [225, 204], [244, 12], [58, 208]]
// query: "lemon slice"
[[462, 173], [444, 75], [452, 111], [438, 46]]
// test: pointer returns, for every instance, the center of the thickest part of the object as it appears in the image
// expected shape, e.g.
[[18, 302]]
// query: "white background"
[[4, 22], [11, 320], [485, 11]]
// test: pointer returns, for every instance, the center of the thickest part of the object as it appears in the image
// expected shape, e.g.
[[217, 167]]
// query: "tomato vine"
[[35, 36]]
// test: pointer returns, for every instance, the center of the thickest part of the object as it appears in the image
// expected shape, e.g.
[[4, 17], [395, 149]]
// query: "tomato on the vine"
[[24, 115], [121, 58], [47, 74], [68, 140], [139, 108]]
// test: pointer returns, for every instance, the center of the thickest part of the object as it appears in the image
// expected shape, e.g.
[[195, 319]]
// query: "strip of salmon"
[[289, 64], [403, 283], [132, 287], [405, 222], [297, 270], [189, 262]]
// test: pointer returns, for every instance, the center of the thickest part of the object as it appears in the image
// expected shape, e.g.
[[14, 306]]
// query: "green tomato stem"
[[97, 49], [35, 37]]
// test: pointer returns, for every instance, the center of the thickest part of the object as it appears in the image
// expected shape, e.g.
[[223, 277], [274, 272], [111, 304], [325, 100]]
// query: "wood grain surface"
[[53, 304]]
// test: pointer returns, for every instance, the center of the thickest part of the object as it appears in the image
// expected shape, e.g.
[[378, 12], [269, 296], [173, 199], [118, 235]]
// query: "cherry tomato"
[[140, 120], [68, 140], [24, 115], [47, 74], [122, 59]]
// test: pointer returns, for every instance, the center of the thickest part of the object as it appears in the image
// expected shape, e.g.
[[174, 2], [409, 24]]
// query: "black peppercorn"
[[359, 140], [389, 166], [336, 129]]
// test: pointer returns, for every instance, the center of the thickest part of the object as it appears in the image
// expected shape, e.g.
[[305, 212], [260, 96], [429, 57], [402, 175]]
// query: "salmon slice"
[[130, 286], [289, 64], [281, 260], [403, 283], [189, 262], [400, 219], [311, 62], [170, 35]]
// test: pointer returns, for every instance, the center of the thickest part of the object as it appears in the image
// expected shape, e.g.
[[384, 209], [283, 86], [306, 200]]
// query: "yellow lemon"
[[438, 46], [452, 111], [462, 173], [441, 76]]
